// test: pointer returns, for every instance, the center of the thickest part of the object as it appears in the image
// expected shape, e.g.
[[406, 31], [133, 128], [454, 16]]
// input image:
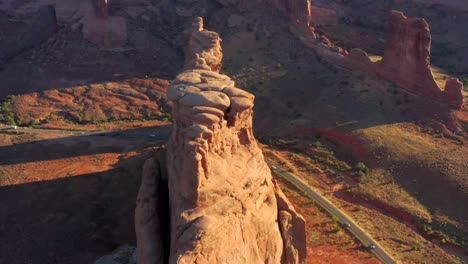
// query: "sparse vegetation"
[[7, 114], [361, 169]]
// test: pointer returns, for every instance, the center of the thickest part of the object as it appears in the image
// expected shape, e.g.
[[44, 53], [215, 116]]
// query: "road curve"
[[323, 202]]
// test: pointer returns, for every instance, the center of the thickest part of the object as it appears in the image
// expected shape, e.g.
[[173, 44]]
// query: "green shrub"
[[337, 229], [318, 144], [335, 219], [361, 169]]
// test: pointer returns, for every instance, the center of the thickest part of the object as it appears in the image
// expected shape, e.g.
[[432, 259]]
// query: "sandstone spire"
[[224, 206]]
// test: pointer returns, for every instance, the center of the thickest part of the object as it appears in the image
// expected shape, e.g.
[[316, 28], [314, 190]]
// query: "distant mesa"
[[224, 205]]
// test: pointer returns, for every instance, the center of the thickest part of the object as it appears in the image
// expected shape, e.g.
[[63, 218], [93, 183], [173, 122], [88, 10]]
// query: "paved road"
[[155, 135], [323, 202], [360, 234]]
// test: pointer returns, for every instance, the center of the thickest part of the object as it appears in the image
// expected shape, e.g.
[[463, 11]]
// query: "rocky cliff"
[[224, 206]]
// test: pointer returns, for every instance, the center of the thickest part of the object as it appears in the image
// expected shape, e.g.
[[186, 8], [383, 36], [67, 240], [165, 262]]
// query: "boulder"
[[454, 92], [298, 11]]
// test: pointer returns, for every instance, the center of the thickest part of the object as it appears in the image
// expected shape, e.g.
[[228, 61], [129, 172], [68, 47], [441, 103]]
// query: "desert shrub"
[[337, 229], [335, 219], [361, 169], [7, 115], [35, 122], [318, 144]]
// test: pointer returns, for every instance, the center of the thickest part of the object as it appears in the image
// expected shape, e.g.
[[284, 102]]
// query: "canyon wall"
[[224, 205]]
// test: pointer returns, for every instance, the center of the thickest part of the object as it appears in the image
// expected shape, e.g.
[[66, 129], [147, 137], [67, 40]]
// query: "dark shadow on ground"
[[75, 146], [72, 219]]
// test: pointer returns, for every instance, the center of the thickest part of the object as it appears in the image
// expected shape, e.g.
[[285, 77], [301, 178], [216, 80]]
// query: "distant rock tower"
[[101, 8], [407, 61]]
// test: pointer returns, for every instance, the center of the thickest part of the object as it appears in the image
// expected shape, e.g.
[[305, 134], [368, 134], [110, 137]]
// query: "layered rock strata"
[[224, 206]]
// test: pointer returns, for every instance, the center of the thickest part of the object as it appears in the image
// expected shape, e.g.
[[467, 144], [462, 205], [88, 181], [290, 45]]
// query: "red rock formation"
[[101, 8], [299, 11], [206, 44], [453, 92], [406, 61], [147, 223], [407, 54], [224, 206], [292, 228]]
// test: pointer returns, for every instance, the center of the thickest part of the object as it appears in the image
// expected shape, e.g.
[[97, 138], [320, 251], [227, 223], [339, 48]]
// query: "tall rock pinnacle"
[[224, 205]]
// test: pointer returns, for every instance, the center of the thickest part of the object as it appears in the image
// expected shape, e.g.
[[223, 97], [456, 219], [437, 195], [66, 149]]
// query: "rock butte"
[[406, 61], [224, 205]]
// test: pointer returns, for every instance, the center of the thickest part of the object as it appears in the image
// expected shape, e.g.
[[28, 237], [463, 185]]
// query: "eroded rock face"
[[407, 54], [147, 215], [406, 61], [206, 44], [453, 91], [224, 206]]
